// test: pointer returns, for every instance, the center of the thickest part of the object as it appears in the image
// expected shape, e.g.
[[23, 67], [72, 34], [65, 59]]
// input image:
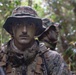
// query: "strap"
[[38, 65], [42, 48], [46, 72], [42, 51]]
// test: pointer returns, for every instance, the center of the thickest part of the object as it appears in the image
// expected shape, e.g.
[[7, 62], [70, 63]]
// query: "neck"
[[23, 47]]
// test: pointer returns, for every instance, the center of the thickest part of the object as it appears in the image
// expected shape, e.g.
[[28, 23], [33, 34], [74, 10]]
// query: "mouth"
[[23, 37]]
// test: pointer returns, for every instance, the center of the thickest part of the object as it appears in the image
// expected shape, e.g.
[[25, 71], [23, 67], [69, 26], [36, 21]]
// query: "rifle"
[[2, 71]]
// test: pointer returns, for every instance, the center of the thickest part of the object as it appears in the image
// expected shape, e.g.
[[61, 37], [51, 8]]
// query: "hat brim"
[[52, 27], [37, 21]]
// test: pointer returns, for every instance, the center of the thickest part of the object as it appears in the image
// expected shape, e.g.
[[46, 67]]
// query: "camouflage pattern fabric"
[[54, 61]]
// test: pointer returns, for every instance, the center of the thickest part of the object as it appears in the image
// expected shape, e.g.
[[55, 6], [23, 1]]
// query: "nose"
[[24, 29]]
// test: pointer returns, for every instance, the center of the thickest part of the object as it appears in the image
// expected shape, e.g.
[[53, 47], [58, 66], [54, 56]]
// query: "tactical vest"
[[37, 66]]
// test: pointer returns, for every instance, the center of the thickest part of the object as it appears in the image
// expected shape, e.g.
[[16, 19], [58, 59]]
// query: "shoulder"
[[3, 54], [53, 53], [48, 52], [3, 47], [53, 56], [50, 56], [54, 61]]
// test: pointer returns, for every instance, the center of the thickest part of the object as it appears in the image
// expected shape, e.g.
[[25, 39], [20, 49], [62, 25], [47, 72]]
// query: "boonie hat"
[[24, 13]]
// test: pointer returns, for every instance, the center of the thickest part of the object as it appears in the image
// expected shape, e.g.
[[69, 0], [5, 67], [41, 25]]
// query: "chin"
[[24, 42]]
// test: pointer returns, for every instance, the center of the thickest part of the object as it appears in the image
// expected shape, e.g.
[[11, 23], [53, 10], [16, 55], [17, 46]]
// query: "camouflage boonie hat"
[[24, 13], [47, 22], [48, 25]]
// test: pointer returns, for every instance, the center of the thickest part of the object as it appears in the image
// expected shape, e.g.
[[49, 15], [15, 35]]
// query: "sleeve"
[[55, 64]]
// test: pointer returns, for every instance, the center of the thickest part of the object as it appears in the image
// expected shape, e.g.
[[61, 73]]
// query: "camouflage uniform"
[[50, 35], [36, 60]]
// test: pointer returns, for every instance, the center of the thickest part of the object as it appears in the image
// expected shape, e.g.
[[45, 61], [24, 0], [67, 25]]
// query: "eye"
[[30, 24], [19, 25]]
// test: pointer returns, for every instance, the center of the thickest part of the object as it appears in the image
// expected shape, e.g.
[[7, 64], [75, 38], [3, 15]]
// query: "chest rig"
[[17, 64]]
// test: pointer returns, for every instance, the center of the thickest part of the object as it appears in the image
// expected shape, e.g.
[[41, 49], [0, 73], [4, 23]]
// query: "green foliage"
[[6, 7], [39, 10], [57, 10], [68, 52]]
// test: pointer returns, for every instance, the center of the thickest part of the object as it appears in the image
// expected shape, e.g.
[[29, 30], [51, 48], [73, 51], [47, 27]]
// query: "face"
[[23, 33], [51, 38], [52, 35]]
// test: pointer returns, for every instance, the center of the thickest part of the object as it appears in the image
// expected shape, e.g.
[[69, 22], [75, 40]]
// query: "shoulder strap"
[[42, 48], [42, 51], [38, 65]]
